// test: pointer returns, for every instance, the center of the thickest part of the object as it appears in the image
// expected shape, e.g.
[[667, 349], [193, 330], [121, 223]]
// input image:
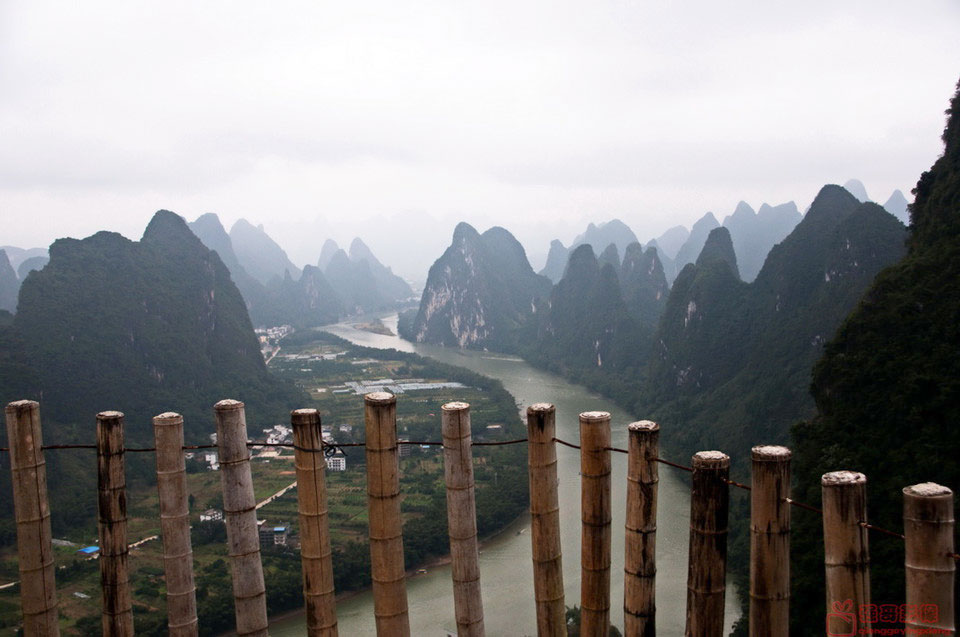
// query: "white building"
[[211, 515], [337, 463]]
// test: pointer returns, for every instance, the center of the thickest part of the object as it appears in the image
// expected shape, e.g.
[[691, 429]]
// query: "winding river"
[[505, 561]]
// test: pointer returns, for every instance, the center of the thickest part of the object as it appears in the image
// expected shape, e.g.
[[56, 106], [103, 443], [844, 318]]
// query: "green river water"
[[505, 561]]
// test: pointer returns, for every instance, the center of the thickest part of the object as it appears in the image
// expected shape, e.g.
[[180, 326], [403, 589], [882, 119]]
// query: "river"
[[506, 570]]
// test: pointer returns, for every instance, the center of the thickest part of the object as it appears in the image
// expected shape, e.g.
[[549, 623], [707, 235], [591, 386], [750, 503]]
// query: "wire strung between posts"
[[332, 448]]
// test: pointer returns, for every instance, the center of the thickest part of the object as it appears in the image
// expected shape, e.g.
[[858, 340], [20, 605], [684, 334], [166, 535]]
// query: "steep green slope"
[[644, 284], [733, 360], [887, 389], [143, 327], [585, 331]]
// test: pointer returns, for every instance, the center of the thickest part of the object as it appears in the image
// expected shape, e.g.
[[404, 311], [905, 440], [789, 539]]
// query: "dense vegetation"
[[889, 380], [143, 327]]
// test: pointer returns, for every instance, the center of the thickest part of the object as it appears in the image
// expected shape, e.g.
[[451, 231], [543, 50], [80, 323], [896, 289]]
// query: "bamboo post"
[[386, 526], [175, 525], [545, 521], [770, 542], [117, 616], [639, 564], [316, 557], [462, 518], [928, 527], [595, 517], [845, 548], [28, 469], [240, 517], [707, 567]]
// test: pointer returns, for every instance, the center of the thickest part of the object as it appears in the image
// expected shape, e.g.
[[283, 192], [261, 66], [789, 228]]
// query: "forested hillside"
[[889, 380]]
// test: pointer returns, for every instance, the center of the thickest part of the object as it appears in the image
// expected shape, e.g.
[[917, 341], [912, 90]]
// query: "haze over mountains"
[[726, 327]]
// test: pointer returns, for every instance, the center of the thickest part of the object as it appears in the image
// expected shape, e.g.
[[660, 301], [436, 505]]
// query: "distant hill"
[[9, 284], [886, 389], [586, 328], [389, 285], [260, 255], [556, 261], [600, 236], [30, 264], [478, 293], [897, 206], [672, 240], [694, 244], [19, 255], [856, 188], [755, 233], [329, 248], [643, 284], [211, 232], [719, 247], [308, 301]]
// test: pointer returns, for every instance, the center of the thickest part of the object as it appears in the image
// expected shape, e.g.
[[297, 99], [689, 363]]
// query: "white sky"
[[395, 120]]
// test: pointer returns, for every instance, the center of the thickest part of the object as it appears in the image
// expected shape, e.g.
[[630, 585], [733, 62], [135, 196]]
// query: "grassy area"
[[322, 365]]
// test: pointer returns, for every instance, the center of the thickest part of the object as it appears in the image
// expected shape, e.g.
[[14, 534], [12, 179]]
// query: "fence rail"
[[928, 522]]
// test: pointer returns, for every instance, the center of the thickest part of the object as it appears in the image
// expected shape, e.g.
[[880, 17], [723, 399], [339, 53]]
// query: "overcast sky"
[[324, 120]]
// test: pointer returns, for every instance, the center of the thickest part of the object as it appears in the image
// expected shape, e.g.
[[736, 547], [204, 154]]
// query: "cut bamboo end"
[[842, 478], [711, 460], [643, 425], [594, 416], [541, 407], [928, 526], [228, 404], [167, 418], [770, 453], [380, 398], [455, 406]]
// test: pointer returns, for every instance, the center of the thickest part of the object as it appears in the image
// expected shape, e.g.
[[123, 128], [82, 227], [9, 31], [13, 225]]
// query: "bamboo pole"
[[316, 557], [28, 469], [386, 526], [117, 616], [545, 521], [639, 564], [845, 547], [175, 525], [595, 517], [928, 527], [770, 542], [707, 569], [462, 518], [240, 517]]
